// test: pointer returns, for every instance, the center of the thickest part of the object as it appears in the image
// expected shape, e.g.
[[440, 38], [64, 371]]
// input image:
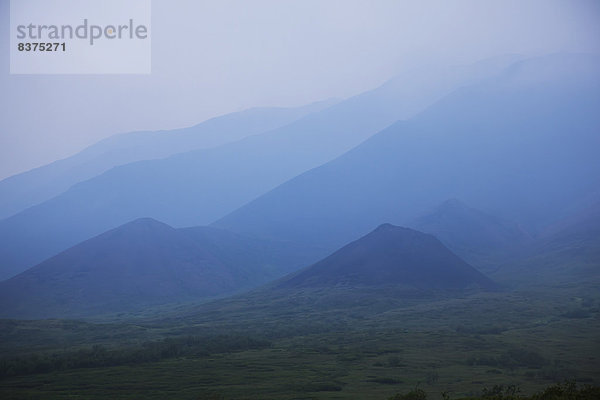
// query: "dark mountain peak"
[[385, 226], [145, 221], [389, 229], [145, 263], [140, 227], [391, 256], [397, 237]]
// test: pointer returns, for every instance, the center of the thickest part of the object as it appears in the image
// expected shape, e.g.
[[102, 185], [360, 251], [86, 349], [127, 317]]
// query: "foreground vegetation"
[[317, 345], [566, 391], [100, 356]]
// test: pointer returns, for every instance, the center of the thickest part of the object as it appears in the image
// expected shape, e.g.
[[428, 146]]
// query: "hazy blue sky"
[[214, 57]]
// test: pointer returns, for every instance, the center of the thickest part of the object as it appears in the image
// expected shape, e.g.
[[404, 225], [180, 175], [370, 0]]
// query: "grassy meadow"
[[313, 345]]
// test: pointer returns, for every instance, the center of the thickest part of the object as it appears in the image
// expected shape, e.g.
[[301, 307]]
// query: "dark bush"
[[577, 313], [511, 359], [568, 391], [385, 381], [416, 394], [501, 392]]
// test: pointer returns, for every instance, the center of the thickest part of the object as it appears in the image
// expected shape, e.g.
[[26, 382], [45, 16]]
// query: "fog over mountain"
[[300, 199], [201, 186], [214, 58], [483, 240], [520, 146], [567, 252], [29, 188]]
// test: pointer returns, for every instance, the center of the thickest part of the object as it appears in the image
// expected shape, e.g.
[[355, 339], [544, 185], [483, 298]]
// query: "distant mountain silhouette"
[[391, 256], [29, 188], [201, 186], [144, 263], [481, 239], [522, 144], [567, 252], [582, 222]]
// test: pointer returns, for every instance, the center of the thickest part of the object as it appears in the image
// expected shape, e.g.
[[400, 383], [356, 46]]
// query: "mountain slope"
[[568, 252], [40, 184], [144, 263], [198, 187], [391, 256], [522, 145], [479, 238]]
